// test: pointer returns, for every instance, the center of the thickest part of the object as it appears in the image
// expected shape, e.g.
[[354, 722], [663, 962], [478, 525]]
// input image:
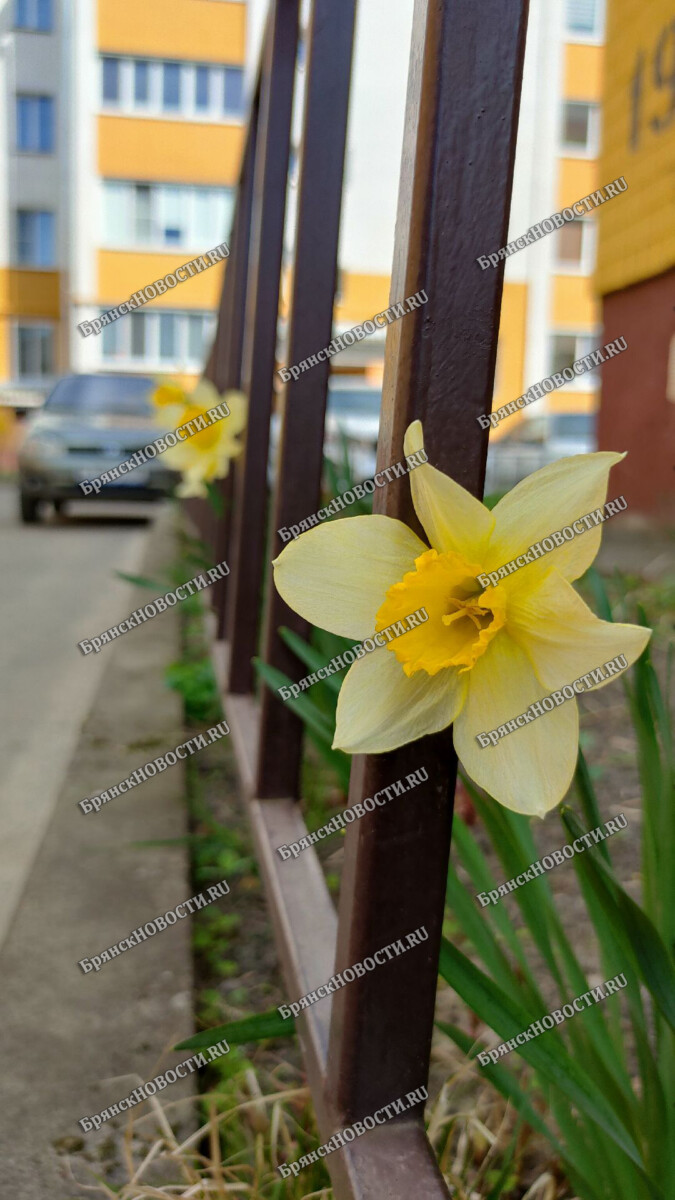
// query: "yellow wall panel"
[[5, 357], [583, 72], [509, 382], [578, 178], [574, 304], [168, 151], [201, 30], [572, 402], [362, 296], [637, 231], [30, 293], [187, 382], [123, 272]]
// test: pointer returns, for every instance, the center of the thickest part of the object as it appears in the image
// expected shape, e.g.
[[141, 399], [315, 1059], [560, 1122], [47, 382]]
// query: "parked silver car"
[[352, 413], [88, 424], [536, 442]]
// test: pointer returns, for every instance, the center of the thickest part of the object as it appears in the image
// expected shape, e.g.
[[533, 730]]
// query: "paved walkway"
[[79, 884]]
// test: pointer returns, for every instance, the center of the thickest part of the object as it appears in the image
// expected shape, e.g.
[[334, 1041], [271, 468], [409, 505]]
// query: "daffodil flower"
[[485, 654], [207, 454]]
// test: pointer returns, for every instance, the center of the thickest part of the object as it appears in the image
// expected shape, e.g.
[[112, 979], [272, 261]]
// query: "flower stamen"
[[462, 620]]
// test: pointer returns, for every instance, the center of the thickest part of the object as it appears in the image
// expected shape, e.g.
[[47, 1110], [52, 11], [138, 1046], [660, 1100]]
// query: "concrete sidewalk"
[[63, 1034]]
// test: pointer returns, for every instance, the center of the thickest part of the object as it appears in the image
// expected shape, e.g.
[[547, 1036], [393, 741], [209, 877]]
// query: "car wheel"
[[29, 508]]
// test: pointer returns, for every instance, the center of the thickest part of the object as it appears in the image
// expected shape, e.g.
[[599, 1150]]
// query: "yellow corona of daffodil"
[[485, 654], [205, 455]]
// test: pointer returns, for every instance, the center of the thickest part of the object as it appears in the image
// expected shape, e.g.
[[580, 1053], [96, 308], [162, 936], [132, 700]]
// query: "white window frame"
[[127, 105], [191, 245], [597, 38], [19, 263], [33, 323], [586, 340], [152, 360], [592, 148], [586, 264]]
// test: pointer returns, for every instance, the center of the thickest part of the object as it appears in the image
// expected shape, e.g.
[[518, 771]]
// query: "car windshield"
[[114, 395], [355, 403], [572, 425]]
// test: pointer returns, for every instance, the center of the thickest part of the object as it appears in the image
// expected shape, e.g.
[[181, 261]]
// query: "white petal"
[[453, 519], [380, 707], [530, 769], [563, 638], [337, 575], [545, 502]]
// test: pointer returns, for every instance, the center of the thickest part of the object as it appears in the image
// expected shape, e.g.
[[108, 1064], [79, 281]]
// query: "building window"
[[36, 15], [111, 340], [142, 203], [111, 80], [575, 247], [138, 335], [569, 243], [579, 127], [167, 335], [35, 238], [171, 85], [162, 340], [158, 87], [141, 81], [584, 18], [35, 349], [566, 348], [201, 87], [196, 338], [35, 124], [233, 91], [172, 215], [196, 218]]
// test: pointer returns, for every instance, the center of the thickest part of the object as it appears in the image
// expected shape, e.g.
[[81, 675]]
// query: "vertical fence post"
[[458, 154], [262, 303], [224, 366], [303, 407]]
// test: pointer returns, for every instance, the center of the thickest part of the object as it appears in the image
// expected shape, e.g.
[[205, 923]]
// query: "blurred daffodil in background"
[[206, 455], [485, 654]]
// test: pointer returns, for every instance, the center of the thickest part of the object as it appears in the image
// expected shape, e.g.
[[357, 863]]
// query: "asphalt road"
[[58, 584]]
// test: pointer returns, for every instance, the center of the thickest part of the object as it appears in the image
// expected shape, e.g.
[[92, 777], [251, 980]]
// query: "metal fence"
[[371, 1041]]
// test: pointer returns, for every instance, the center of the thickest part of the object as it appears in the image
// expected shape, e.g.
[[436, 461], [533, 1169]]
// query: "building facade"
[[636, 266], [550, 314], [123, 131], [32, 234], [122, 134]]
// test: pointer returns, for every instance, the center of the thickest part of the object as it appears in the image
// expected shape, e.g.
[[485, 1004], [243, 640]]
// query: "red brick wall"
[[634, 412]]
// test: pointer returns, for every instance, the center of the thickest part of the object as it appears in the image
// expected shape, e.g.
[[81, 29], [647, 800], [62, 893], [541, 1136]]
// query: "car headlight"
[[43, 446]]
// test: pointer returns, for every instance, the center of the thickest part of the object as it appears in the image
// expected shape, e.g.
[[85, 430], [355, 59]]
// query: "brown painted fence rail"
[[370, 1043]]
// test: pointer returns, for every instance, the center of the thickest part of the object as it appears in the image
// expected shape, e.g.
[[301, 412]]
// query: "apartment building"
[[122, 134], [31, 195], [550, 315], [155, 162], [636, 261]]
